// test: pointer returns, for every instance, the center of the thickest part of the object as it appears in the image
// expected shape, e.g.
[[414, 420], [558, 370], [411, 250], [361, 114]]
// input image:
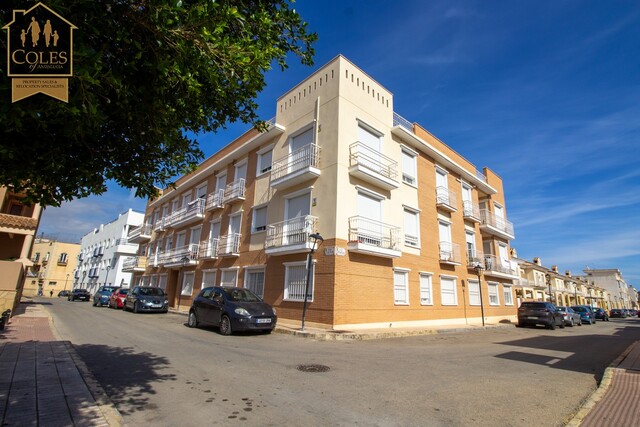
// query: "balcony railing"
[[450, 253], [134, 263], [373, 237], [496, 264], [193, 212], [182, 256], [495, 225], [140, 234], [446, 199], [398, 120], [215, 200], [209, 249], [297, 167], [159, 225], [235, 191], [229, 245], [471, 211], [372, 166], [291, 236]]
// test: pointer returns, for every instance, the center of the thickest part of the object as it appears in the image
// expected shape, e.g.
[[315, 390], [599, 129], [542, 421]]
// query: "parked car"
[[533, 313], [117, 297], [146, 298], [601, 314], [79, 294], [569, 316], [101, 297], [231, 309], [586, 313], [617, 313], [63, 294]]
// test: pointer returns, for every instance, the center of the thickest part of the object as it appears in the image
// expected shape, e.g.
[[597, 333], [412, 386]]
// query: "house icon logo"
[[39, 53]]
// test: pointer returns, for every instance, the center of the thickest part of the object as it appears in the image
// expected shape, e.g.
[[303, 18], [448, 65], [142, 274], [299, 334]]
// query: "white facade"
[[103, 251], [622, 294]]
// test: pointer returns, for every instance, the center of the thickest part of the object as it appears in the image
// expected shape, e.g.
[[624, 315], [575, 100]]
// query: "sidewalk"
[[42, 380]]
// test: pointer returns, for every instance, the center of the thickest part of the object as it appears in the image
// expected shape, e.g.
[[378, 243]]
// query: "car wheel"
[[225, 325], [561, 324], [572, 323], [590, 322], [135, 307], [552, 325], [192, 322]]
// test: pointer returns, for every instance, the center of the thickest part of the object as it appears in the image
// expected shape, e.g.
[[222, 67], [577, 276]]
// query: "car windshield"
[[240, 294], [123, 291], [154, 292], [107, 289], [580, 309]]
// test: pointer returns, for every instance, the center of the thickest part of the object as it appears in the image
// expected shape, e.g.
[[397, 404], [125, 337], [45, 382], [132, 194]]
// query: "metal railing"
[[370, 232], [470, 210], [234, 190], [159, 225], [133, 262], [209, 248], [229, 244], [192, 209], [489, 218], [124, 241], [215, 200], [290, 232], [141, 230], [447, 197], [304, 157], [499, 265], [450, 252], [178, 255], [398, 120], [362, 155]]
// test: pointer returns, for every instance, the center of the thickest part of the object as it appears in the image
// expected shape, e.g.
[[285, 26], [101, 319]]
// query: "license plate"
[[263, 321], [532, 317]]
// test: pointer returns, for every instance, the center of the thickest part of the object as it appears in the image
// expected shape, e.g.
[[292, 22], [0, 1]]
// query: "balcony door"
[[446, 247], [370, 222], [234, 231], [297, 152], [180, 240], [372, 143], [295, 210]]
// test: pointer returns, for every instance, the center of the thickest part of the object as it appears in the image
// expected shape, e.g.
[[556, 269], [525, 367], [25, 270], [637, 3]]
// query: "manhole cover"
[[312, 368]]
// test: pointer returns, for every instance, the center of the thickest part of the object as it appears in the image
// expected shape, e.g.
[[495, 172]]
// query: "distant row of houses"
[[401, 229]]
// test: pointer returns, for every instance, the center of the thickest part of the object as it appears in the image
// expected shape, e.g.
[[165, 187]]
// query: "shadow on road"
[[127, 376], [581, 353]]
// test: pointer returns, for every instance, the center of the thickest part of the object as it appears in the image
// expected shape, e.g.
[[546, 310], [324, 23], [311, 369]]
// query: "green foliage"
[[145, 72]]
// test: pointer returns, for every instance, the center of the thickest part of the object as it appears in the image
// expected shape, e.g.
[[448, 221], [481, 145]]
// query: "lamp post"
[[184, 261], [478, 268], [84, 274], [106, 279], [65, 282], [316, 238], [548, 277]]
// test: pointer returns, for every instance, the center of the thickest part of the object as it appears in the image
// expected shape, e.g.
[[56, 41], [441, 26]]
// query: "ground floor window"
[[508, 295], [494, 299], [426, 289], [448, 292], [187, 283], [254, 281], [474, 292], [162, 283], [229, 277], [295, 281], [208, 278], [401, 287]]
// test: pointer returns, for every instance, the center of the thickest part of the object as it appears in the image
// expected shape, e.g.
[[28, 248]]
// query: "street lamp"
[[317, 241], [84, 274], [548, 277], [65, 282], [184, 261], [106, 279], [479, 269]]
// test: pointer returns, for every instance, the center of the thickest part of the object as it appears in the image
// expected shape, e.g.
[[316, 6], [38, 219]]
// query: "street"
[[156, 370]]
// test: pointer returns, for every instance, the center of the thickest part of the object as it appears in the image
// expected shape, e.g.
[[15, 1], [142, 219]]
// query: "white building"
[[103, 251], [622, 294]]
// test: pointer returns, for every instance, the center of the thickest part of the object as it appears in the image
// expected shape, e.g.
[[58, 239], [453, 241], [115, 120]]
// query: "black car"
[[146, 298], [63, 294], [533, 313], [79, 294], [601, 314], [231, 309], [617, 312]]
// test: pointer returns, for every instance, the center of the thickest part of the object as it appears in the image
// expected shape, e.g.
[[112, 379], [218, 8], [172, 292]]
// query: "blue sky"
[[544, 93]]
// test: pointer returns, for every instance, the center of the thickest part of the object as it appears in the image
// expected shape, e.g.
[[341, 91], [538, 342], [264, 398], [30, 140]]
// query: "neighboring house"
[[405, 219], [103, 251], [18, 225], [622, 294], [54, 263]]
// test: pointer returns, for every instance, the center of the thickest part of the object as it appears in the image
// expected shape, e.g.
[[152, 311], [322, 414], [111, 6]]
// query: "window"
[[187, 283], [52, 283], [36, 257], [162, 284], [15, 209], [254, 281], [201, 191], [474, 292], [265, 158], [411, 227], [494, 299], [409, 167], [426, 289], [63, 258], [508, 296], [401, 287], [208, 278], [448, 292], [295, 280], [229, 277], [259, 219]]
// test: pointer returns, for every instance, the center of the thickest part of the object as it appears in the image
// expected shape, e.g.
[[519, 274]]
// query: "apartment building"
[[18, 225], [54, 264], [414, 234], [103, 251], [623, 295]]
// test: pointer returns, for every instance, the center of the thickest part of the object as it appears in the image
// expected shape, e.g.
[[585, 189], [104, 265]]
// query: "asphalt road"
[[156, 370]]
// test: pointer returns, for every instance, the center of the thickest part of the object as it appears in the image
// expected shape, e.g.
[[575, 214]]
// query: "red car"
[[117, 297]]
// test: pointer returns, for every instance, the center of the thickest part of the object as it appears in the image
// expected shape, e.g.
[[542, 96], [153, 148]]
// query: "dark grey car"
[[533, 313], [146, 298]]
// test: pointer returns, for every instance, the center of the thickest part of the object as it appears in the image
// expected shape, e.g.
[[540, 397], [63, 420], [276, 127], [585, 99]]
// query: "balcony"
[[159, 225], [449, 253], [186, 215], [229, 245], [495, 266], [134, 264], [234, 192], [470, 211], [209, 249], [291, 236], [97, 252], [124, 246], [371, 237], [140, 234], [18, 224], [299, 166], [446, 199], [496, 226], [215, 200], [179, 257], [372, 166]]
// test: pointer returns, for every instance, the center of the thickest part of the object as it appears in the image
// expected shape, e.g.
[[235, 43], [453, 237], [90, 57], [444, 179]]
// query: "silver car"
[[569, 316]]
